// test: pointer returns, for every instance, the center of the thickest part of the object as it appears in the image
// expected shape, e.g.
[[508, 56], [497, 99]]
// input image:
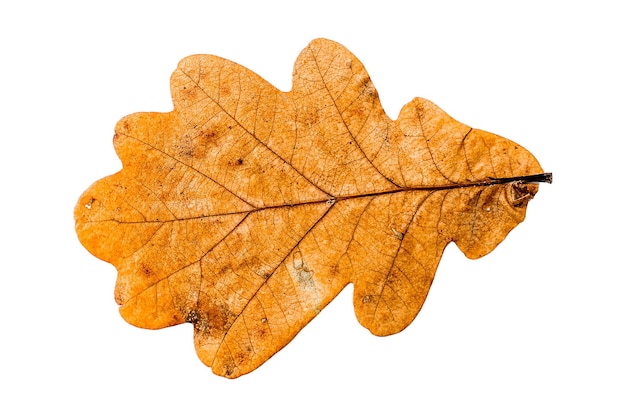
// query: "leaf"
[[246, 210]]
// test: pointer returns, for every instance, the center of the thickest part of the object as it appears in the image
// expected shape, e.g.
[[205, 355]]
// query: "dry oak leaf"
[[246, 209]]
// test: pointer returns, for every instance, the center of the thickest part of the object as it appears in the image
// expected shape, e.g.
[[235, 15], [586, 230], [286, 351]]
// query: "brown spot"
[[186, 151], [229, 368], [208, 137], [398, 235], [310, 118], [236, 162], [146, 271], [223, 270], [219, 318], [214, 319], [366, 299], [367, 88], [224, 90], [472, 202], [189, 93], [521, 193], [193, 317]]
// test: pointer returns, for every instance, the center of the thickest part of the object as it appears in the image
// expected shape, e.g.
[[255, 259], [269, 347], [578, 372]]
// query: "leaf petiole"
[[526, 179]]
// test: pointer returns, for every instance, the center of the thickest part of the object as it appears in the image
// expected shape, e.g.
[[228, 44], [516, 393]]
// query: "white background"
[[535, 328]]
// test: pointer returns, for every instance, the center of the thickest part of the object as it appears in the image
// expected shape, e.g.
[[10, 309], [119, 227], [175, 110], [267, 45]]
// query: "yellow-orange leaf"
[[246, 209]]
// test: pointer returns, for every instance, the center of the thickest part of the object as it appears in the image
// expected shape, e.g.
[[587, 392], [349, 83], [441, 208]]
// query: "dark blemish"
[[239, 161], [225, 90], [223, 270], [186, 151], [367, 88], [208, 136], [262, 332], [219, 318], [265, 275], [190, 93], [397, 235], [366, 299], [229, 368], [192, 317], [473, 200], [214, 319], [521, 193], [146, 271]]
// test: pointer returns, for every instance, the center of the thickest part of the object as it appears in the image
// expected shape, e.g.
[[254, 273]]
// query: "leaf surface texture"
[[246, 209]]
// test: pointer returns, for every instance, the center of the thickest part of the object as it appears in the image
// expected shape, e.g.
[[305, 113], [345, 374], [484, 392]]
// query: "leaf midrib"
[[524, 179]]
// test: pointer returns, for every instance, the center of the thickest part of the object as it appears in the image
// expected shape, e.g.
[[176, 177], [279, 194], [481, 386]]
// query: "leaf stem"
[[535, 178]]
